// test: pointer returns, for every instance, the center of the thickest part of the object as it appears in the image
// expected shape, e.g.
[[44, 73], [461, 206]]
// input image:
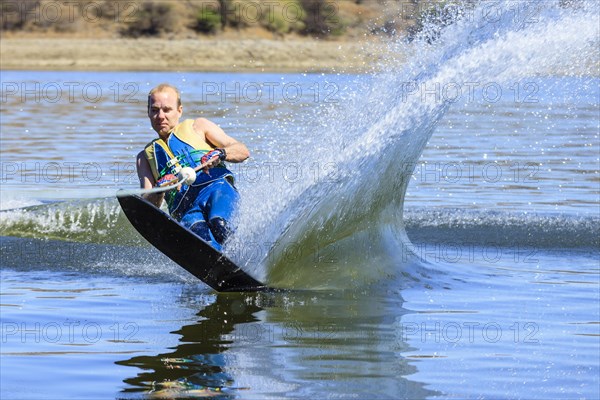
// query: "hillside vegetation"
[[186, 19]]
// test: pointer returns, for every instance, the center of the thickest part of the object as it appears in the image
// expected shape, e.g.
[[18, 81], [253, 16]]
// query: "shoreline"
[[236, 55], [225, 55]]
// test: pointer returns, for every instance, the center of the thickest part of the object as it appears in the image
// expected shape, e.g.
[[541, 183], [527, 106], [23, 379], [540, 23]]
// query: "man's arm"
[[147, 180], [236, 151]]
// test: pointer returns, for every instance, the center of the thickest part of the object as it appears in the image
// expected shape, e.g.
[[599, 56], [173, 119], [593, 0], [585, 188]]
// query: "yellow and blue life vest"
[[183, 148]]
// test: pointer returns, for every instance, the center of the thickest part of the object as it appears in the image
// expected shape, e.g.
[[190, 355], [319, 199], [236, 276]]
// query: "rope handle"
[[161, 189]]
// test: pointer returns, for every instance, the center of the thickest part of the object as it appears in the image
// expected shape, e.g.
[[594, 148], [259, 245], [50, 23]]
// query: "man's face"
[[163, 111]]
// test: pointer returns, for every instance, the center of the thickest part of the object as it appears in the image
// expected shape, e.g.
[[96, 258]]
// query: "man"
[[206, 205]]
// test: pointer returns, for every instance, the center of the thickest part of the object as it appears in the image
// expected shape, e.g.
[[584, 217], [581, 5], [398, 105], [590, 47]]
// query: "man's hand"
[[166, 180], [212, 159]]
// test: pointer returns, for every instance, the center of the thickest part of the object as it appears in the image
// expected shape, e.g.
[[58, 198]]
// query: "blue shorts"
[[209, 214]]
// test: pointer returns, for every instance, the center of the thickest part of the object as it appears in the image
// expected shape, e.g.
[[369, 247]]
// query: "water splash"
[[378, 136]]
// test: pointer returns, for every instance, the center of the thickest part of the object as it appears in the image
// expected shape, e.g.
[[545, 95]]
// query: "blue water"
[[436, 222]]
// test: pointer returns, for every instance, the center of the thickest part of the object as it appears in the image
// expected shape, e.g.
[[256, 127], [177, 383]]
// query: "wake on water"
[[348, 229]]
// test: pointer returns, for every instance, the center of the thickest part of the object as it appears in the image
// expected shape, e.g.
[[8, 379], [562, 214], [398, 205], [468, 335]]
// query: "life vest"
[[183, 148]]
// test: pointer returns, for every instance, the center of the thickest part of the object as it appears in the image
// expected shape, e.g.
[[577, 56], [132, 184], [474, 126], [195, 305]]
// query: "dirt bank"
[[187, 55]]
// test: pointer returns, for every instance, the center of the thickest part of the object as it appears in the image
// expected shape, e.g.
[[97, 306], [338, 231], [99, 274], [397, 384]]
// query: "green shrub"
[[207, 21], [152, 19], [16, 15], [322, 19], [277, 23]]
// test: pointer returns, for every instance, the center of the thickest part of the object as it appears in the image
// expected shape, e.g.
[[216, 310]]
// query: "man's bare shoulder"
[[202, 124]]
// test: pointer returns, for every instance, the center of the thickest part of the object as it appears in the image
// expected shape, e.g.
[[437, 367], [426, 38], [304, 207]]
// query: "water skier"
[[204, 204]]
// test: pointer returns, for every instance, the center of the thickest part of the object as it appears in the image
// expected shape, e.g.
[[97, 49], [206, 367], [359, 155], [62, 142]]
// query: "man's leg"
[[221, 205], [195, 221]]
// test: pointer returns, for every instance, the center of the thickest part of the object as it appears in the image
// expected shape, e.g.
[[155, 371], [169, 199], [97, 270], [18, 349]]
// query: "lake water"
[[436, 227]]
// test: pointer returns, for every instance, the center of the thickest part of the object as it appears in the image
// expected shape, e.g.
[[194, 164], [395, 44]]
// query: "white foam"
[[10, 200]]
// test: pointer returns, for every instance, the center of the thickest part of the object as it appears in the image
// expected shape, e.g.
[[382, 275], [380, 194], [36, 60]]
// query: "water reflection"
[[197, 366], [297, 345]]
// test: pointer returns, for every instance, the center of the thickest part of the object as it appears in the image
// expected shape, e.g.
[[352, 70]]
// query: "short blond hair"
[[161, 88]]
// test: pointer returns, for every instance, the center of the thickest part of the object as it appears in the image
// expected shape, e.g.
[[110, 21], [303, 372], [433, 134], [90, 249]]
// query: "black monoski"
[[186, 248]]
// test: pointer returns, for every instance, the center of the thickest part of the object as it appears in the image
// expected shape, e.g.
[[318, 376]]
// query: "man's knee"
[[220, 229]]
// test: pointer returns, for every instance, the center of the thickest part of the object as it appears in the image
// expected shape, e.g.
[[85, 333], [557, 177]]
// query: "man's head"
[[164, 108]]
